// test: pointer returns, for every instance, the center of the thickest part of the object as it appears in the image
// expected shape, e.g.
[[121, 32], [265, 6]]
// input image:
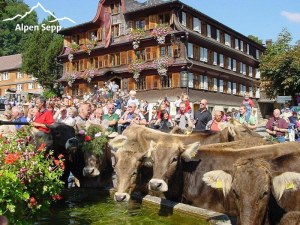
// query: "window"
[[257, 93], [227, 40], [257, 74], [190, 50], [241, 45], [93, 35], [19, 75], [76, 38], [196, 52], [215, 60], [250, 71], [191, 80], [39, 86], [30, 86], [248, 49], [229, 63], [234, 88], [203, 54], [140, 54], [236, 44], [229, 89], [165, 51], [183, 19], [139, 24], [115, 30], [233, 64], [197, 25], [221, 60], [19, 87], [164, 18], [115, 8], [221, 86], [203, 82], [114, 59], [215, 87], [208, 30], [257, 54], [5, 76], [218, 35]]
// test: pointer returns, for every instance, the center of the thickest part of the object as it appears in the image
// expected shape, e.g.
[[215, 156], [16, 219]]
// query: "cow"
[[254, 181], [194, 161], [134, 144], [291, 218]]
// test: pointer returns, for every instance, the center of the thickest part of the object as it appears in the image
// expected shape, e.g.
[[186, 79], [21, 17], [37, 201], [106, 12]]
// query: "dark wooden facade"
[[205, 56]]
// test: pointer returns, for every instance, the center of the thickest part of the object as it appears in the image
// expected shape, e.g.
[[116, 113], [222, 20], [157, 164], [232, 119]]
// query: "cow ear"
[[288, 181], [190, 151], [218, 179], [118, 142], [152, 147]]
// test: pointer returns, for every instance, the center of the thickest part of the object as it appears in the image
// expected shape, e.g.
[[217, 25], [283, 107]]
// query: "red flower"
[[56, 197], [41, 147], [11, 158], [32, 202], [87, 138], [60, 156], [56, 161]]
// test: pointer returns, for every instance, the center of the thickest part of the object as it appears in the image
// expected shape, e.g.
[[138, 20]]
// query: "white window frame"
[[19, 75], [183, 21], [196, 25], [19, 87], [208, 30], [5, 76], [30, 86], [221, 58]]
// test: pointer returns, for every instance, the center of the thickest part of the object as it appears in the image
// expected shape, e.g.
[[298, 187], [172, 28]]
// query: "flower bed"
[[136, 35], [160, 32], [136, 67], [88, 75], [70, 78], [161, 64], [29, 179]]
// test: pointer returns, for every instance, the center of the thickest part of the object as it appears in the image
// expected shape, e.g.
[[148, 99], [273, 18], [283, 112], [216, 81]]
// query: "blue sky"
[[262, 18]]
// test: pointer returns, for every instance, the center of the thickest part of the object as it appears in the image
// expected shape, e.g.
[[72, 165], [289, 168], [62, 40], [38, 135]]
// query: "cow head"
[[249, 186], [166, 159], [128, 161]]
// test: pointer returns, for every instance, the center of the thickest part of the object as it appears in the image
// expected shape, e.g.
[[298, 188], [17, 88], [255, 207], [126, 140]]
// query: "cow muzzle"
[[90, 172], [71, 143], [158, 185], [121, 197]]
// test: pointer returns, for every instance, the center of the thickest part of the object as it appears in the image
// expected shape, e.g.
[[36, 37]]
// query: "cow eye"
[[174, 159], [265, 193]]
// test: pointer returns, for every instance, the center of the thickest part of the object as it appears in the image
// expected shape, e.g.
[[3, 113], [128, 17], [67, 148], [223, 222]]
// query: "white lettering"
[[52, 29], [25, 28], [18, 27]]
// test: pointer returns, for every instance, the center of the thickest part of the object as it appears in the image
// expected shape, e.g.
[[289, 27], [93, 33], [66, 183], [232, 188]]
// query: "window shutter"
[[105, 61], [154, 52], [197, 25], [190, 50], [183, 21], [148, 54], [175, 80], [149, 82], [147, 23], [221, 89], [123, 58]]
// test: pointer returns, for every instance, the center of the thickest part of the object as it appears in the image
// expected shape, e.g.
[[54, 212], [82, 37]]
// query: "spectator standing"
[[217, 121], [17, 116], [62, 116], [133, 99], [112, 118], [154, 117], [184, 120], [185, 99], [166, 102], [277, 127], [202, 116], [242, 115], [176, 103], [83, 115], [164, 124], [249, 104]]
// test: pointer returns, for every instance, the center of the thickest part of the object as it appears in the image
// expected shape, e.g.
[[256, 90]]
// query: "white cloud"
[[293, 17]]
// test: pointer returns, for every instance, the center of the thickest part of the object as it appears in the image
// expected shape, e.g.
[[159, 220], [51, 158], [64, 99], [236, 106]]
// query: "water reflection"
[[85, 207]]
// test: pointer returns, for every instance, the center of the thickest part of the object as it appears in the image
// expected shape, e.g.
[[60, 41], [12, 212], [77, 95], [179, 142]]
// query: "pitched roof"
[[10, 62]]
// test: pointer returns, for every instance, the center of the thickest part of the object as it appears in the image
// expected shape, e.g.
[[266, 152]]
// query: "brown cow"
[[195, 191], [291, 218], [134, 143], [251, 183]]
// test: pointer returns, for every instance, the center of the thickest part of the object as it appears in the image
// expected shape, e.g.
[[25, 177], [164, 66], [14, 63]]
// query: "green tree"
[[280, 67], [12, 41], [39, 56], [256, 39]]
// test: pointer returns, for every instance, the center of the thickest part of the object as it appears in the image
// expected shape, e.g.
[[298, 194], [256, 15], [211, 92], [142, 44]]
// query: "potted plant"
[[70, 50], [136, 67], [90, 45], [160, 32], [136, 35], [89, 74], [161, 64], [70, 78]]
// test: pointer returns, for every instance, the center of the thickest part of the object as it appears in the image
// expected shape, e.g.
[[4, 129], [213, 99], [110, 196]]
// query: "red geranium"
[[41, 147], [32, 202], [56, 197], [11, 158], [87, 138]]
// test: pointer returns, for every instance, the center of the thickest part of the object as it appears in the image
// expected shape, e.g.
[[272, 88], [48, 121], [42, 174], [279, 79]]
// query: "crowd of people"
[[117, 109]]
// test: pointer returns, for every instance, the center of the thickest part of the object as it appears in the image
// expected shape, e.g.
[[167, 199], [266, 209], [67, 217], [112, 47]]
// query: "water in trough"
[[84, 207]]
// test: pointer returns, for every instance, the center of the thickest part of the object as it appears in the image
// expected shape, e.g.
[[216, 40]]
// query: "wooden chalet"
[[205, 58]]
